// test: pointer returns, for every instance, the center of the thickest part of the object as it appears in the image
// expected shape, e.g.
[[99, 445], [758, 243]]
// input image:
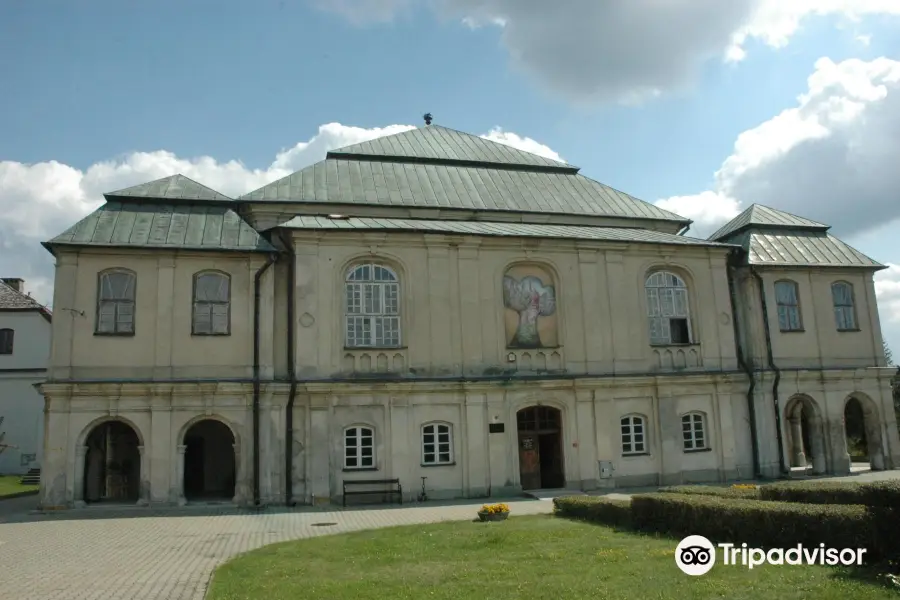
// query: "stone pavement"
[[133, 553]]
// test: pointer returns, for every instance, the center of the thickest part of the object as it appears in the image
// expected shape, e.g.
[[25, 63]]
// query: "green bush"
[[875, 493], [595, 508], [762, 523], [709, 490]]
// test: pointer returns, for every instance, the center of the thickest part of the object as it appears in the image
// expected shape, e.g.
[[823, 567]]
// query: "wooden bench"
[[382, 487]]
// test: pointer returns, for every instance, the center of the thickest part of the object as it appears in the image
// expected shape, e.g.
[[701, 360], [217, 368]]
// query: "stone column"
[[818, 446], [798, 458], [80, 453], [144, 483], [179, 476], [238, 473]]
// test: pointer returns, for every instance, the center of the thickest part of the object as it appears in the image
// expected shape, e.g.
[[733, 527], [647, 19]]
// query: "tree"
[[3, 446], [888, 355]]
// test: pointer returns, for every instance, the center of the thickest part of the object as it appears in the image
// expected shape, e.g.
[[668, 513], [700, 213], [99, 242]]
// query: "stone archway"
[[540, 436], [805, 434], [862, 431], [112, 464], [210, 462]]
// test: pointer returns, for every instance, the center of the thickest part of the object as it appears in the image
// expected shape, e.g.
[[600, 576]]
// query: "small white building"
[[24, 352]]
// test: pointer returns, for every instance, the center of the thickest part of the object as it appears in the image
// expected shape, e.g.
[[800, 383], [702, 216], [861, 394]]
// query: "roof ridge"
[[145, 190], [760, 216]]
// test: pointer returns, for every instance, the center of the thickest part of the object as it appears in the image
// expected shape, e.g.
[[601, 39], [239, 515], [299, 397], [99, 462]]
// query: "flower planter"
[[486, 516]]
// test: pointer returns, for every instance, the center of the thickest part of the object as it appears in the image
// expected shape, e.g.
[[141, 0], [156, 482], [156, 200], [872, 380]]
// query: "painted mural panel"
[[530, 300]]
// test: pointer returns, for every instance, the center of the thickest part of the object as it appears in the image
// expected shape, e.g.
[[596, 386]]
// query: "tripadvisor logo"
[[696, 555]]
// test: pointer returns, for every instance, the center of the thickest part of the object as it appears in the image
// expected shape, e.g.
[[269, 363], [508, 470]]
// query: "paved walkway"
[[141, 554]]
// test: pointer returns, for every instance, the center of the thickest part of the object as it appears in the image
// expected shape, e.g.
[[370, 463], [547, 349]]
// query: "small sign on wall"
[[28, 459], [606, 469], [495, 428]]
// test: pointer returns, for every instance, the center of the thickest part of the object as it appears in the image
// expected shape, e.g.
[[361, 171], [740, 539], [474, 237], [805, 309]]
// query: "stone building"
[[436, 305]]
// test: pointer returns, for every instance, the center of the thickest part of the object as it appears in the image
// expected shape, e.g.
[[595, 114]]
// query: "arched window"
[[6, 341], [667, 309], [844, 310], [115, 302], [437, 444], [359, 447], [634, 431], [693, 428], [372, 307], [212, 304], [787, 298]]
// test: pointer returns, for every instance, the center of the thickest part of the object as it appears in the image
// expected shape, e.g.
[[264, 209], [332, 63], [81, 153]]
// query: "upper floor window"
[[437, 444], [359, 447], [115, 302], [212, 304], [667, 309], [633, 434], [693, 429], [372, 307], [787, 297], [844, 310], [6, 341]]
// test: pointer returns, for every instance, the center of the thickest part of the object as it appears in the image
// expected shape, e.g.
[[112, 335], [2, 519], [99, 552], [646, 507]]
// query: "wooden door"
[[529, 461]]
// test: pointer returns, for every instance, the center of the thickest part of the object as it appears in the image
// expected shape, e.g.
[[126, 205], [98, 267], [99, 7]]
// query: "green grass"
[[9, 485], [524, 557]]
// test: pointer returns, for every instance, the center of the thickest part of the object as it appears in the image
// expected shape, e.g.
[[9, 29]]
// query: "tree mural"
[[530, 298]]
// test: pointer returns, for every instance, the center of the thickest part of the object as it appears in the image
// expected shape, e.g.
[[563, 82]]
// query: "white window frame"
[[372, 306], [696, 430], [359, 433], [844, 314], [790, 316], [123, 309], [667, 299], [219, 311], [631, 423], [439, 446]]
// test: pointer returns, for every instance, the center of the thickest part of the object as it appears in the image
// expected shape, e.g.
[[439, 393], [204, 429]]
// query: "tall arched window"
[[844, 310], [212, 304], [634, 431], [115, 302], [693, 429], [668, 309], [437, 444], [359, 447], [6, 341], [372, 295], [787, 299]]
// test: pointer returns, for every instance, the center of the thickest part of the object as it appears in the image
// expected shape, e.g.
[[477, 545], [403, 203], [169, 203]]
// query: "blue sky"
[[97, 81]]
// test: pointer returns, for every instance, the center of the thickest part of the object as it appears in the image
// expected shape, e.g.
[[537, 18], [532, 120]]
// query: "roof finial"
[[428, 118]]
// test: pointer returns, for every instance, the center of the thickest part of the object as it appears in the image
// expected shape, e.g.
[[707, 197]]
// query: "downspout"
[[777, 404], [256, 294], [684, 229], [292, 373], [742, 363]]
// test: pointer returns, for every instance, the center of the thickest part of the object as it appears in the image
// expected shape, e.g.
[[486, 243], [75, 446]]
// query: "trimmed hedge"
[[709, 490], [876, 493], [766, 524], [597, 509]]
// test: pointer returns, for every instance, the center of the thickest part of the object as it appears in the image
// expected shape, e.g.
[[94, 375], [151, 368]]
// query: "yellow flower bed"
[[493, 509], [745, 486]]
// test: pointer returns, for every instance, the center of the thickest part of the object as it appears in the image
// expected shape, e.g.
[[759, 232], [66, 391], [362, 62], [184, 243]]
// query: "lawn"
[[524, 557], [9, 485]]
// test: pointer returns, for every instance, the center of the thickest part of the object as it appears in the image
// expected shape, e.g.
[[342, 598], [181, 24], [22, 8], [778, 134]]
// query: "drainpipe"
[[256, 293], [765, 315], [742, 363], [292, 373], [684, 229]]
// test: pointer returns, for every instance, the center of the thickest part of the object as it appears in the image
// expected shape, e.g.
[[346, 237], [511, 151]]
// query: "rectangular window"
[[787, 299], [359, 448], [693, 430], [6, 341], [437, 444], [633, 435]]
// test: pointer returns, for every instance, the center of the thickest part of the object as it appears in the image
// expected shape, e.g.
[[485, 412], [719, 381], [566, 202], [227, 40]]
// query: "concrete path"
[[142, 554]]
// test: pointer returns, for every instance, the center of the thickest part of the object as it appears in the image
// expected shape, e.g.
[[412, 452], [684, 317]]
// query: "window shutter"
[[124, 317], [202, 318], [106, 317], [220, 318]]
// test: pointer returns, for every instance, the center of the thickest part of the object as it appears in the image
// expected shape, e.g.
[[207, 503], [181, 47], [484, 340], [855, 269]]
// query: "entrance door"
[[540, 448]]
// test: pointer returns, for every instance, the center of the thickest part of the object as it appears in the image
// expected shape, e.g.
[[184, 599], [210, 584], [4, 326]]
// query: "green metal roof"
[[800, 249], [436, 143], [496, 229], [144, 225], [764, 217], [175, 187], [364, 182]]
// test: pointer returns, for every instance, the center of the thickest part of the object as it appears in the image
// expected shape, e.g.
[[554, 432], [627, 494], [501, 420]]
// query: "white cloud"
[[831, 158], [592, 50], [39, 201], [887, 290]]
